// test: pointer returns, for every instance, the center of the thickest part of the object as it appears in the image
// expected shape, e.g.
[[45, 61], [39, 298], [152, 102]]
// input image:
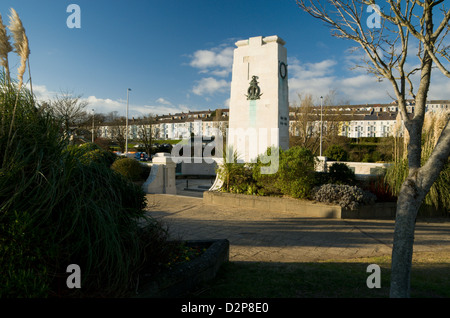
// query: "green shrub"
[[129, 168], [237, 177], [266, 181], [321, 177], [241, 178], [340, 173], [292, 174], [22, 259], [336, 153], [90, 152], [296, 175]]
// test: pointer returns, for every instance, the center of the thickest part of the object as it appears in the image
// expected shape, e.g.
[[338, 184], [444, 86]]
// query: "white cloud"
[[163, 101], [161, 107], [210, 85], [138, 111], [107, 105], [322, 77], [215, 62], [310, 70], [220, 73], [440, 87], [216, 65], [214, 58], [42, 93]]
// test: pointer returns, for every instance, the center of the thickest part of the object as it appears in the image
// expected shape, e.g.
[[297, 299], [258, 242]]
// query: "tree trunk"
[[412, 193], [408, 204]]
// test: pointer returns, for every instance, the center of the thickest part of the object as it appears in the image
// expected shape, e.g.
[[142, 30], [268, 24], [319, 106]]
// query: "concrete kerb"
[[304, 208]]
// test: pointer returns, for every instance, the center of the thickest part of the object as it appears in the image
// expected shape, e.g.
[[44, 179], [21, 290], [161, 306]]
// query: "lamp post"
[[93, 115], [321, 123], [126, 119]]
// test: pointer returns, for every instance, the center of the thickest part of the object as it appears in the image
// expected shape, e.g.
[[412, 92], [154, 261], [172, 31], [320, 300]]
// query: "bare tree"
[[386, 37], [112, 116], [145, 132], [304, 133], [70, 109], [307, 117], [118, 132]]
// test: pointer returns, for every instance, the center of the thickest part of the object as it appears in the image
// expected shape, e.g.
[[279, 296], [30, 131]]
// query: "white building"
[[355, 121]]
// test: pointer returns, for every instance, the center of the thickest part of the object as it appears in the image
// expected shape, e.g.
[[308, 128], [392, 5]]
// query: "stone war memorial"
[[259, 104], [258, 112]]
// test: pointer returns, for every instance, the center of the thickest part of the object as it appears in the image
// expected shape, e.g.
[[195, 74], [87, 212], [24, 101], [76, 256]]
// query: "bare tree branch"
[[388, 54], [69, 108]]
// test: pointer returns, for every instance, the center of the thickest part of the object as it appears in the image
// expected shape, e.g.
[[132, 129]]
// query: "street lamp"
[[93, 115], [126, 129], [321, 123]]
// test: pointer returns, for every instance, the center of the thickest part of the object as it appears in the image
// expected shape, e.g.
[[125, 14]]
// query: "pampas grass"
[[21, 46], [5, 47], [58, 207], [22, 49], [438, 196]]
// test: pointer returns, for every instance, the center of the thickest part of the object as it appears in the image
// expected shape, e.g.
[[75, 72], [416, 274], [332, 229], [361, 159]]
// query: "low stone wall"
[[365, 169], [362, 170], [198, 167], [304, 208], [380, 211], [184, 278]]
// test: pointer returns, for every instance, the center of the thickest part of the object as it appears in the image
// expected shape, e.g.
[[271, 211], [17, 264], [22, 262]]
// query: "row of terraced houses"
[[354, 121]]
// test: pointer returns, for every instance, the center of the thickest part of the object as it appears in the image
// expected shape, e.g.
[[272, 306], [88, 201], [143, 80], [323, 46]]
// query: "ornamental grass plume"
[[22, 49], [429, 134], [20, 43], [5, 47], [433, 126]]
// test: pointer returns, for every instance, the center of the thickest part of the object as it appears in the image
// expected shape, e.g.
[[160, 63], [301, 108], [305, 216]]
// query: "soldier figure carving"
[[254, 92]]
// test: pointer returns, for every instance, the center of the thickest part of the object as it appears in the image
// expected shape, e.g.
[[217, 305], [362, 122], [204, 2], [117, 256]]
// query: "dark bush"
[[340, 173], [321, 177], [296, 175], [266, 180], [89, 152], [336, 153], [129, 168], [237, 177], [241, 180]]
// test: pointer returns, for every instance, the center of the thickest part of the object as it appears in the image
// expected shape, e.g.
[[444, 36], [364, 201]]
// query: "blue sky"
[[177, 55]]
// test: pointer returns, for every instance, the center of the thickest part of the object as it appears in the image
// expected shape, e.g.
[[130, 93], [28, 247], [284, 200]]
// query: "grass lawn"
[[334, 278]]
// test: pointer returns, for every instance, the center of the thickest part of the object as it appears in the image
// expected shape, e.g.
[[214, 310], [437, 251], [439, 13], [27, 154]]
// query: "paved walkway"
[[287, 237], [193, 187]]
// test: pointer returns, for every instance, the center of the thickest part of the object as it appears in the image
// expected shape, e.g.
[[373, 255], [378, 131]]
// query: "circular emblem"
[[283, 70]]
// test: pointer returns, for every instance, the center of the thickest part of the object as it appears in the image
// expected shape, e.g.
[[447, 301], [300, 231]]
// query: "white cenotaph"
[[259, 104]]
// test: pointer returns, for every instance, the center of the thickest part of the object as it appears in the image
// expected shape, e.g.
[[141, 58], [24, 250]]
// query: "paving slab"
[[287, 237]]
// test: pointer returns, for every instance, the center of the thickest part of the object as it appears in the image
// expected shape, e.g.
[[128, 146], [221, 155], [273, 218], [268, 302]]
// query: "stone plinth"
[[162, 175]]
